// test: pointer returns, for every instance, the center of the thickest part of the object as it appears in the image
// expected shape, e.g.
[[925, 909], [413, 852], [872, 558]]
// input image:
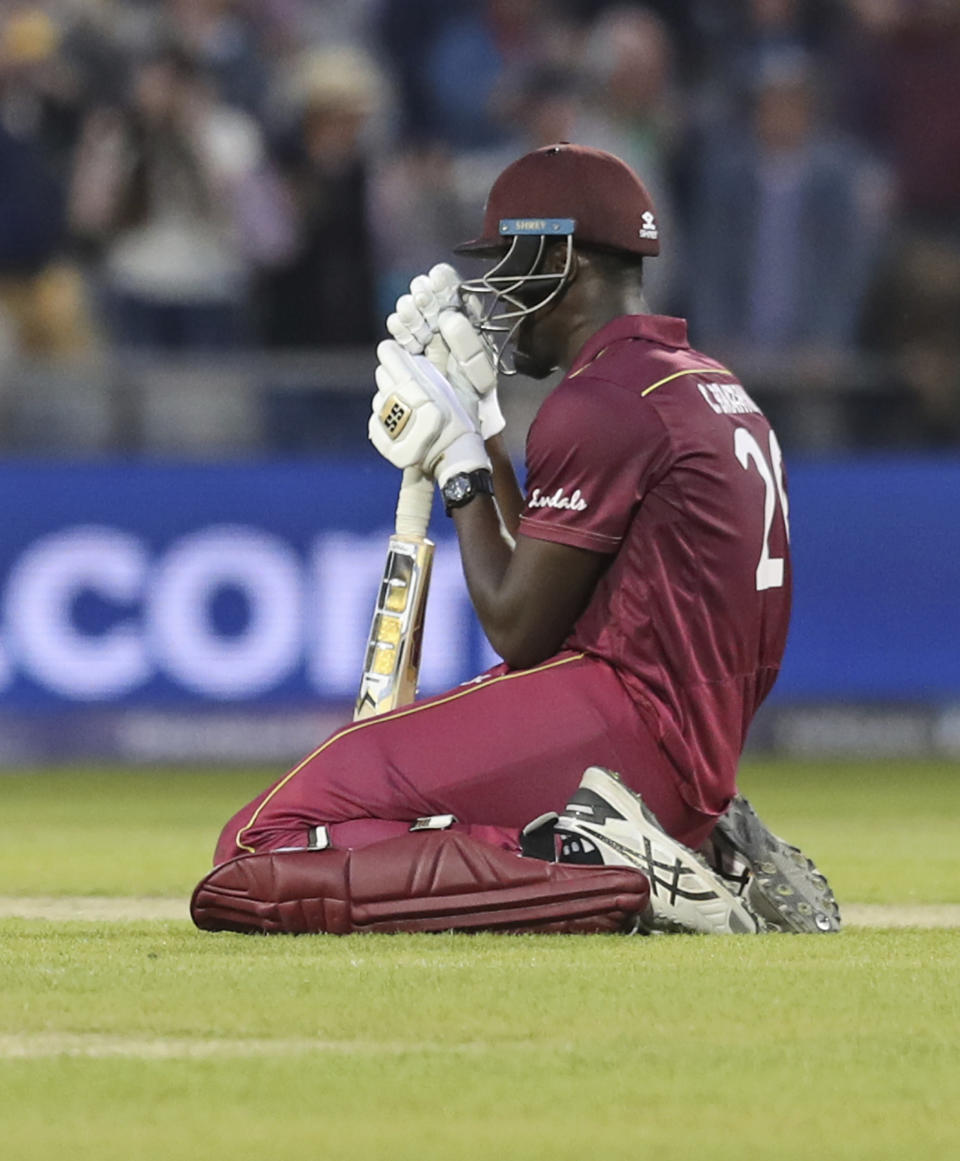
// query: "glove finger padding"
[[472, 307], [425, 300], [408, 325], [423, 881], [472, 372], [445, 285], [469, 350], [416, 315], [438, 354], [419, 311]]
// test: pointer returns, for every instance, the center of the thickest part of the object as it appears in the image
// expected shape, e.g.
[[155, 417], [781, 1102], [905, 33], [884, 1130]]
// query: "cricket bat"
[[391, 665]]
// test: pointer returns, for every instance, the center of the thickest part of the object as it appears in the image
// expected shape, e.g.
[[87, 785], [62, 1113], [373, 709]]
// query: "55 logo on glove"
[[394, 415]]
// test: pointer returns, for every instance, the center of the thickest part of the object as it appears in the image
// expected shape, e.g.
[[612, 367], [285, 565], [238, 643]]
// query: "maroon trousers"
[[495, 753]]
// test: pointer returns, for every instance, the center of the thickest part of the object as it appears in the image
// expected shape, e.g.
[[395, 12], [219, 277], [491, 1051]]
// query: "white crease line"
[[38, 1046], [106, 909], [94, 908], [901, 914]]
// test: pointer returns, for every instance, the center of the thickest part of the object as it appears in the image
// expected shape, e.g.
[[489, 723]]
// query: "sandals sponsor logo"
[[557, 499]]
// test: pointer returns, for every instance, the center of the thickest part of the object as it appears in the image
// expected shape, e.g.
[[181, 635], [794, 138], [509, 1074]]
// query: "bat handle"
[[414, 503]]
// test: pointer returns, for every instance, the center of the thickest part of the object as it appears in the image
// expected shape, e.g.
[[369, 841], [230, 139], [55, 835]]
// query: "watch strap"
[[464, 486]]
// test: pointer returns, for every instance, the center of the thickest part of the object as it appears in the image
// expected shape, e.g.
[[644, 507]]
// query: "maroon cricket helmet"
[[608, 203]]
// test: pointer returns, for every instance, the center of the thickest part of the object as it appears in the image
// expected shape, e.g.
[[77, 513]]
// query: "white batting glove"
[[418, 419], [431, 320]]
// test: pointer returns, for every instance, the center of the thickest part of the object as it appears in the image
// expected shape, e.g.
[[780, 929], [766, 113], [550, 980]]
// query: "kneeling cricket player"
[[640, 604]]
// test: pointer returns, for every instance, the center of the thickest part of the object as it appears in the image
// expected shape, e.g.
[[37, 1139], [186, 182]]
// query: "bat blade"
[[391, 666]]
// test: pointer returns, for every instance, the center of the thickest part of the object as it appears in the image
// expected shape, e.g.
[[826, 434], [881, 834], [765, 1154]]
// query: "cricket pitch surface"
[[105, 909]]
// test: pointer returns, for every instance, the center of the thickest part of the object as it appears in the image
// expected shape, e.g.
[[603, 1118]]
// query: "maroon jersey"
[[654, 454]]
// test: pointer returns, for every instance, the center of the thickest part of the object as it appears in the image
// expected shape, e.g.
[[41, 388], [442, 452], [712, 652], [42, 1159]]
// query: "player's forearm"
[[486, 557], [484, 554], [510, 499], [516, 618]]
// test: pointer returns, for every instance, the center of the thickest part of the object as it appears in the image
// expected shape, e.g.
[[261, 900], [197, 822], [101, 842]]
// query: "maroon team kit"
[[653, 454]]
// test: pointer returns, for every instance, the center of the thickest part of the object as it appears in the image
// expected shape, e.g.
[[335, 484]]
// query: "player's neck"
[[592, 314]]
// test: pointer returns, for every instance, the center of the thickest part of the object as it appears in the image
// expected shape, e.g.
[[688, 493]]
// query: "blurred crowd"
[[217, 174]]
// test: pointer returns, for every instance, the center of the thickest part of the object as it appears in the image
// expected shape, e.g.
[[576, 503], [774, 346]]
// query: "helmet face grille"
[[513, 290]]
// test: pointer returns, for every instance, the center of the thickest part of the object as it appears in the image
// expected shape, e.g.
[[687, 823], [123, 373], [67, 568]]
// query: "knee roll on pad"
[[423, 881]]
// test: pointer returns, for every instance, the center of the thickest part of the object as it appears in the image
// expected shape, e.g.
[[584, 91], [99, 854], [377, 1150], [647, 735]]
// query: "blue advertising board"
[[876, 554], [136, 583], [249, 587]]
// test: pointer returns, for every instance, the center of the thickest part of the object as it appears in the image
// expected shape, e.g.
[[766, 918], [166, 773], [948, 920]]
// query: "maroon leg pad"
[[423, 881]]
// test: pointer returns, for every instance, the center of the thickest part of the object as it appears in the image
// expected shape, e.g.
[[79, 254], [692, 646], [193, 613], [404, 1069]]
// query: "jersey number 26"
[[747, 450]]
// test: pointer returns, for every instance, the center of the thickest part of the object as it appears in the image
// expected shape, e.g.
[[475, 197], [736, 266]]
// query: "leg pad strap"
[[423, 881]]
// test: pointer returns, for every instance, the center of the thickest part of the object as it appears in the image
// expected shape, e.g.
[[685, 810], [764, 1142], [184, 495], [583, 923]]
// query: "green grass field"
[[148, 1039]]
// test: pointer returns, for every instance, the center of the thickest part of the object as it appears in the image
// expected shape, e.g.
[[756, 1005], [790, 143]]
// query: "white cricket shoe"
[[606, 822]]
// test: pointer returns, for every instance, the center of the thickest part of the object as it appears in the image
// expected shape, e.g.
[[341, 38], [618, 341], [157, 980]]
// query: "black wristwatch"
[[461, 488]]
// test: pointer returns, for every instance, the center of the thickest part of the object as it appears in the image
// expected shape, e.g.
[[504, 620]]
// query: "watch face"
[[457, 488], [461, 488]]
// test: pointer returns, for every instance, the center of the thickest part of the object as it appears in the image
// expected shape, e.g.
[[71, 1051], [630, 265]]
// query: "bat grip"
[[414, 503]]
